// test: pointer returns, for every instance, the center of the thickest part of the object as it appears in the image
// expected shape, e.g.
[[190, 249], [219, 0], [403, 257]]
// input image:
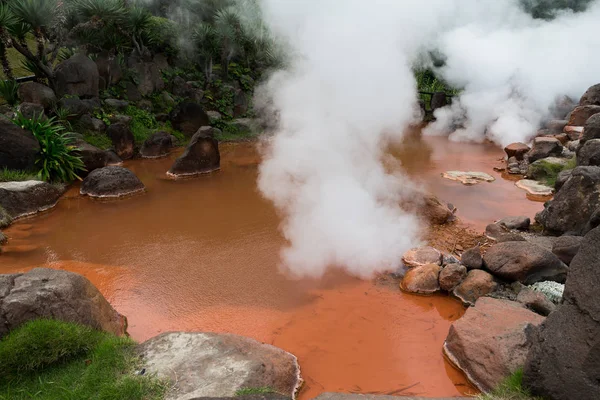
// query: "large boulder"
[[18, 147], [564, 363], [109, 69], [574, 204], [589, 153], [200, 156], [477, 284], [491, 340], [591, 130], [524, 262], [92, 157], [218, 365], [75, 106], [122, 139], [566, 247], [581, 114], [62, 295], [77, 76], [157, 145], [591, 97], [20, 199], [112, 181], [33, 92], [188, 117], [544, 147], [423, 279], [149, 78]]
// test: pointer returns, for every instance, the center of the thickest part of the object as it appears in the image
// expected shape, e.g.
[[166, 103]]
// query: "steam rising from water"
[[350, 89]]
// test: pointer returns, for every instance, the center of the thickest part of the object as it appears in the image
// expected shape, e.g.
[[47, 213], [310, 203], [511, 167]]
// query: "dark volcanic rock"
[[188, 117], [589, 153], [111, 181], [18, 147], [574, 204], [591, 97], [491, 340], [524, 262], [566, 248], [438, 100], [92, 157], [477, 284], [20, 199], [33, 92], [591, 130], [157, 145], [544, 147], [62, 295], [200, 156], [472, 258], [581, 114], [218, 365], [75, 106], [77, 76], [564, 363], [122, 139], [562, 178]]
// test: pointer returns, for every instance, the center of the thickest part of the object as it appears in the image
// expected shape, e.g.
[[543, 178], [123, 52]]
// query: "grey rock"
[[566, 248], [438, 100], [544, 147], [200, 156], [472, 258], [535, 301], [556, 126], [150, 78], [562, 178], [94, 125], [20, 199], [18, 147], [132, 92], [581, 114], [74, 106], [77, 76], [591, 97], [122, 139], [31, 110], [240, 104], [33, 92], [591, 129], [218, 365], [478, 283], [524, 262], [62, 295], [188, 117], [92, 157], [157, 145], [520, 222], [117, 104], [109, 69], [111, 182], [589, 153]]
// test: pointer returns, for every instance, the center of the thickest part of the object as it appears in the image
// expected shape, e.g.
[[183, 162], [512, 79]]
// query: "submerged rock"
[[564, 363], [111, 181], [422, 256], [62, 295], [491, 340], [19, 199], [200, 156], [468, 178], [217, 365], [423, 279], [524, 262], [477, 284], [534, 187]]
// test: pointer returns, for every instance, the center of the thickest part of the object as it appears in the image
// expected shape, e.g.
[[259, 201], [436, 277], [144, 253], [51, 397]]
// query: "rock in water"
[[423, 279], [62, 295], [157, 145], [564, 363], [491, 340], [111, 181], [477, 284], [468, 178], [122, 139], [521, 222], [18, 147], [200, 156], [524, 262], [77, 76], [218, 365], [574, 204], [534, 188], [451, 276], [20, 199], [422, 256]]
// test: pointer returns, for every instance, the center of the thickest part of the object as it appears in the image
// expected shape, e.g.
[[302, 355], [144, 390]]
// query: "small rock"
[[111, 181], [556, 125], [434, 211], [422, 256], [520, 223], [566, 247], [120, 105], [468, 178], [120, 119], [74, 106], [478, 283], [451, 276], [534, 187], [423, 279], [535, 301], [188, 117], [472, 258], [495, 231], [573, 145]]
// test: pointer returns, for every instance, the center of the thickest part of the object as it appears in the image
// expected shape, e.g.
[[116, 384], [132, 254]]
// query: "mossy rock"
[[547, 169]]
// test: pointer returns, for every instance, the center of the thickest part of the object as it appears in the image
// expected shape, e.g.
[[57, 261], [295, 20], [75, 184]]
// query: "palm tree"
[[7, 21]]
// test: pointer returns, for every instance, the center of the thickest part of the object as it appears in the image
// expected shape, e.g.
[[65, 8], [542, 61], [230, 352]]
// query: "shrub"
[[58, 159], [8, 91], [142, 124]]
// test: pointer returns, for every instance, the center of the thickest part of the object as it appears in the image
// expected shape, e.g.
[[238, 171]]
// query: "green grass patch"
[[101, 141], [250, 391], [143, 123], [510, 389], [11, 175], [47, 359]]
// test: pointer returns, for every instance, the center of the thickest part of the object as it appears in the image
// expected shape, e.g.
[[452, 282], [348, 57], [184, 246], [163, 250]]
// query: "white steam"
[[350, 89]]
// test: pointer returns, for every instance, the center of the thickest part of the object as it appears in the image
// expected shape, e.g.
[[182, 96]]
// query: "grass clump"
[[143, 123], [13, 175], [49, 359], [250, 391], [510, 389], [100, 141]]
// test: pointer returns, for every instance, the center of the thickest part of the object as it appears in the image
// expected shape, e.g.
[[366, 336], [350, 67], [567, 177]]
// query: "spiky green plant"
[[58, 160], [8, 91], [7, 21]]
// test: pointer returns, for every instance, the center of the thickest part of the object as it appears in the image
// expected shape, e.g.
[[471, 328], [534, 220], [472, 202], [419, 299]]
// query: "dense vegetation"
[[50, 359]]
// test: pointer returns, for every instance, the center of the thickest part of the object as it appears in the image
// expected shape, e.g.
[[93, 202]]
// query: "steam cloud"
[[350, 89]]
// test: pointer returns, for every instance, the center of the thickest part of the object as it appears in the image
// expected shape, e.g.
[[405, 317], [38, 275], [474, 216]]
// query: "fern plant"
[[58, 160]]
